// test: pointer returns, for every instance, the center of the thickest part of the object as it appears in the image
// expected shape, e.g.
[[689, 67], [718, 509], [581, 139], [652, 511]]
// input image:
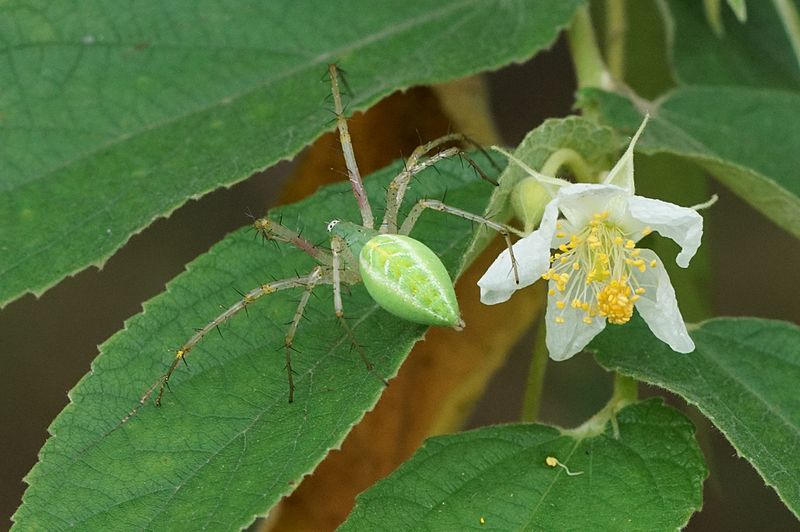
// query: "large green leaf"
[[226, 445], [649, 478], [743, 376], [757, 53], [746, 138], [116, 113]]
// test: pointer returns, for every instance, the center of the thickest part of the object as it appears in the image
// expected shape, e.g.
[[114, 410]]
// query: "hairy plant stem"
[[625, 392], [535, 383], [616, 28], [590, 70], [572, 160]]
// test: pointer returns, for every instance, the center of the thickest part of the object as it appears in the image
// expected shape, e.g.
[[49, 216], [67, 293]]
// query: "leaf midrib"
[[323, 58]]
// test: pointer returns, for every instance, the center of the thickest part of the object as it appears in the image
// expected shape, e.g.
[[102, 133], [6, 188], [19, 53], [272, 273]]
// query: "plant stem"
[[590, 70], [533, 388], [625, 392], [573, 160], [615, 37]]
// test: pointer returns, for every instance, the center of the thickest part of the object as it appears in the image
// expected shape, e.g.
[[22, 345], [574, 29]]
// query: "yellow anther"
[[653, 263], [630, 244], [551, 292], [618, 240], [559, 320], [563, 260], [576, 266], [614, 302], [587, 320], [563, 247], [560, 304], [635, 252], [180, 353], [647, 230], [640, 290], [561, 234], [552, 461]]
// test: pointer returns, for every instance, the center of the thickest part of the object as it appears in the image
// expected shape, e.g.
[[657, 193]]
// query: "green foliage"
[[648, 478], [742, 377], [117, 114], [743, 137], [148, 104], [227, 435], [755, 54]]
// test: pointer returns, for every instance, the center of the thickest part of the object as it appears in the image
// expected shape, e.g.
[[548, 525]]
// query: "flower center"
[[594, 271]]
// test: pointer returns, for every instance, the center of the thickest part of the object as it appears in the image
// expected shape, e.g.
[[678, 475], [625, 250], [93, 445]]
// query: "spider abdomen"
[[407, 279]]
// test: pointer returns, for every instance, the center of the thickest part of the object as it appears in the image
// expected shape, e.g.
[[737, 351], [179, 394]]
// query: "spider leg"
[[337, 245], [347, 149], [418, 162], [248, 298], [272, 230], [436, 205], [315, 277]]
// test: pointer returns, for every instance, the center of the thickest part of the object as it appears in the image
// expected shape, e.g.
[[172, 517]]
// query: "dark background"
[[46, 345]]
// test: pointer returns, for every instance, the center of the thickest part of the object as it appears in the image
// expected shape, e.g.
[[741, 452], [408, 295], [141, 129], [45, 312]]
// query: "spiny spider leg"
[[347, 148], [248, 298], [272, 230], [436, 205], [415, 164], [338, 246], [315, 277]]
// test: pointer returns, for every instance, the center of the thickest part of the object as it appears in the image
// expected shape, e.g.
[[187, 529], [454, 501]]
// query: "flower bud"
[[528, 199]]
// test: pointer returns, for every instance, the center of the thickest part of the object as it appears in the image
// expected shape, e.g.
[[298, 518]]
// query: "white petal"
[[532, 254], [566, 339], [658, 305], [581, 201], [622, 173], [681, 224]]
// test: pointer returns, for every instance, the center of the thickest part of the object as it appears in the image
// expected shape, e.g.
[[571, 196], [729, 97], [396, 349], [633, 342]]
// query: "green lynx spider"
[[401, 274]]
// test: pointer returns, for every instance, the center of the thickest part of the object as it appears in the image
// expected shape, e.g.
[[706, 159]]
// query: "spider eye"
[[332, 224]]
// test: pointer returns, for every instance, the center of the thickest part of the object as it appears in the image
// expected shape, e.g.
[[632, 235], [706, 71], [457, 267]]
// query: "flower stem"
[[625, 392], [590, 70], [535, 384], [571, 159], [615, 37]]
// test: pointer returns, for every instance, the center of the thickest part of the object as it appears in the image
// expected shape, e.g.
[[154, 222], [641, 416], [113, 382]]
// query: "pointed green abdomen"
[[406, 278]]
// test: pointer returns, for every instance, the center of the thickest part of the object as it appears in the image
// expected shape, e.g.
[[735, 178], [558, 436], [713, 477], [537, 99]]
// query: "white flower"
[[596, 272]]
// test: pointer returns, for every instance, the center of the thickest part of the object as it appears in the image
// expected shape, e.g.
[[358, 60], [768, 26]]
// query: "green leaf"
[[743, 376], [746, 138], [739, 8], [596, 145], [650, 478], [754, 54], [226, 445], [116, 114]]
